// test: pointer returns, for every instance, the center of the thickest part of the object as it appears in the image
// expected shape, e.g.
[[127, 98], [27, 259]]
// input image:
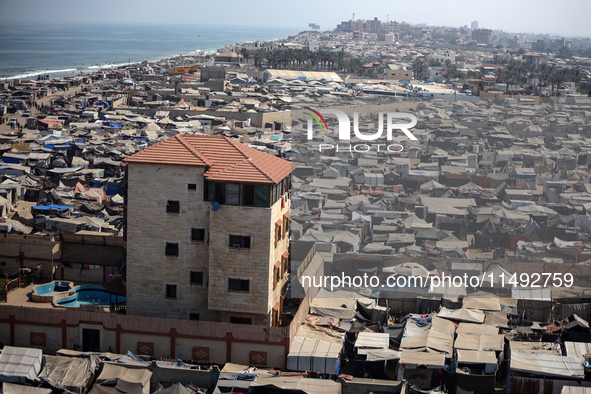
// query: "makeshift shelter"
[[115, 379], [10, 388], [462, 315], [485, 342], [315, 349], [310, 354], [176, 388], [367, 341], [69, 373], [482, 303], [489, 359], [19, 364], [547, 365]]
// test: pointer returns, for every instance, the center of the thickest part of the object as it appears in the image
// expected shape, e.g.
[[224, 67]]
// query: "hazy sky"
[[564, 17]]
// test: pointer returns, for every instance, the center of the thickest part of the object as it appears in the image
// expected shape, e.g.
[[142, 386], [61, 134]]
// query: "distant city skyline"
[[570, 19]]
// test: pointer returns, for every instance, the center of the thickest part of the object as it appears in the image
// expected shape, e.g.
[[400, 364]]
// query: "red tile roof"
[[225, 159]]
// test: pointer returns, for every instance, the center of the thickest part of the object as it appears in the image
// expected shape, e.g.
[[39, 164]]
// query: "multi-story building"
[[373, 25], [207, 231], [482, 36], [474, 25]]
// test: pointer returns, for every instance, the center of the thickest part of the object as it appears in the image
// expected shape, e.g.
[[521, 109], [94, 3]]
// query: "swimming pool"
[[46, 293], [89, 295]]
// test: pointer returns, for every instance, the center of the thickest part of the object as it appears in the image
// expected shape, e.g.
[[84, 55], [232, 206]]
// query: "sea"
[[69, 49]]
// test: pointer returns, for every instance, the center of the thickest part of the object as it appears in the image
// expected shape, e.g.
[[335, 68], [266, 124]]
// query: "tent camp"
[[115, 379], [462, 315], [479, 342], [315, 349], [10, 388], [547, 365], [367, 341], [69, 373], [489, 359], [19, 364]]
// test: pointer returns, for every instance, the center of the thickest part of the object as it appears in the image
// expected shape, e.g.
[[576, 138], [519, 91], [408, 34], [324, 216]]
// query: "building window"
[[248, 195], [196, 278], [192, 186], [232, 194], [239, 242], [171, 291], [172, 249], [197, 234], [240, 320], [276, 276], [238, 285], [277, 233], [208, 190], [193, 316], [283, 266], [173, 206]]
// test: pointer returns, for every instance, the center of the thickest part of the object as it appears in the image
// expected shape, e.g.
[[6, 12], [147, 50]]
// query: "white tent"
[[312, 354], [10, 388], [367, 341], [17, 364], [548, 365], [315, 349], [462, 314]]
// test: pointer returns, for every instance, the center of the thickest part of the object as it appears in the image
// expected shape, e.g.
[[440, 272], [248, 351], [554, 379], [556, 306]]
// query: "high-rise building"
[[208, 227], [474, 25]]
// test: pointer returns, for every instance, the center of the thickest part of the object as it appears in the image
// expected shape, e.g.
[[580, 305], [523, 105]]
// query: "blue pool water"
[[90, 295], [52, 288]]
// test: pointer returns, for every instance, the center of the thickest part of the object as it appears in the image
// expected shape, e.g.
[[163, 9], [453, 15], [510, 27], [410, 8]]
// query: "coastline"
[[24, 57]]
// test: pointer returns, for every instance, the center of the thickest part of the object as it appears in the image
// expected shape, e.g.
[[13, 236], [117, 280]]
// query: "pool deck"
[[22, 297]]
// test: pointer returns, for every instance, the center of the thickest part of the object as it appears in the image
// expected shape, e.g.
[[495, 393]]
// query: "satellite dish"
[[215, 206]]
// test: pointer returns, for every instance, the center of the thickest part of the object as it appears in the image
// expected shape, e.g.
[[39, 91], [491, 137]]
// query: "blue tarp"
[[12, 160], [117, 125], [112, 189], [52, 207]]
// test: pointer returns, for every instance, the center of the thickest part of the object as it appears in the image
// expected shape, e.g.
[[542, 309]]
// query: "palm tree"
[[557, 78], [419, 68], [245, 54]]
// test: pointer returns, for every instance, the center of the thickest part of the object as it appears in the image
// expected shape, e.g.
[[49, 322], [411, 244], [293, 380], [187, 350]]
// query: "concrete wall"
[[170, 338], [150, 227]]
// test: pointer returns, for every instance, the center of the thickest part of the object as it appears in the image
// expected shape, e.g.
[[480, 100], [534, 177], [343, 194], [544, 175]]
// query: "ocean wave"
[[97, 67], [40, 72]]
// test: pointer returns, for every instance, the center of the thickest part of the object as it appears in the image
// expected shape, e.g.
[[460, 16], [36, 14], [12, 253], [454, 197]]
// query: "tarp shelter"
[[482, 303], [10, 388], [296, 384], [412, 360], [462, 315], [69, 373], [479, 342], [577, 349], [19, 364], [383, 355], [315, 349], [115, 378], [367, 341], [310, 354], [489, 359], [547, 365], [176, 388]]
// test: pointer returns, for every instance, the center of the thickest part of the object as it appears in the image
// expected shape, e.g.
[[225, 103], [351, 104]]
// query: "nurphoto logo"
[[344, 124]]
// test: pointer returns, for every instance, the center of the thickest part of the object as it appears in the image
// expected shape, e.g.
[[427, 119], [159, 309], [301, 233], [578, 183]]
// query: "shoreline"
[[72, 70]]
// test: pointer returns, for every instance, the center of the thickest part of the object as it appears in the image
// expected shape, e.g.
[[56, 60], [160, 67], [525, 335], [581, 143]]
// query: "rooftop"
[[226, 159]]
